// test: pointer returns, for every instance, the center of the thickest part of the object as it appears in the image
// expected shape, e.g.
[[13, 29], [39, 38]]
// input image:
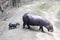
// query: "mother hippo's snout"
[[50, 28], [34, 20]]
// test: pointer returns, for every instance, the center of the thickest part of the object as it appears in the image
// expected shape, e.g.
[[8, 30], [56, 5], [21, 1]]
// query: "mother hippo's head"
[[50, 28]]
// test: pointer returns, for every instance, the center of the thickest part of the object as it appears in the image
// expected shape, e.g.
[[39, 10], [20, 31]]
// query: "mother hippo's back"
[[35, 20], [36, 17]]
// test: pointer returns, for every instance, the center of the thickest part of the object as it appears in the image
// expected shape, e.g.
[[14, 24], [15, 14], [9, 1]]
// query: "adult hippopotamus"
[[35, 20]]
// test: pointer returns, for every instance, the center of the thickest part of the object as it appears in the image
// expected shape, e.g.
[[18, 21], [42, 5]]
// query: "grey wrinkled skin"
[[35, 20]]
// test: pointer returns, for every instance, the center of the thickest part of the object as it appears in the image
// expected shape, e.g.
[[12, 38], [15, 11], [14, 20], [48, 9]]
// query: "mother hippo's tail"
[[25, 18]]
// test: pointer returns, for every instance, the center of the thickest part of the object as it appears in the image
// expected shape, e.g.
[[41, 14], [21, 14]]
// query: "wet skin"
[[35, 20]]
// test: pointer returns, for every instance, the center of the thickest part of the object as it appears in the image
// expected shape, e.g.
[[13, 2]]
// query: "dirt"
[[25, 34]]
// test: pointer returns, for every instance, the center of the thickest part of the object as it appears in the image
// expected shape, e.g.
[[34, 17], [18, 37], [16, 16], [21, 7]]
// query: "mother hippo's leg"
[[28, 26], [41, 28]]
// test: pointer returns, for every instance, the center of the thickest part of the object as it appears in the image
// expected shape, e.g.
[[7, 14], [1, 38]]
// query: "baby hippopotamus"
[[13, 25], [35, 20]]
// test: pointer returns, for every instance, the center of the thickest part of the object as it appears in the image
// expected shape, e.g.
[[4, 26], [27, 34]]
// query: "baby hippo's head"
[[17, 24]]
